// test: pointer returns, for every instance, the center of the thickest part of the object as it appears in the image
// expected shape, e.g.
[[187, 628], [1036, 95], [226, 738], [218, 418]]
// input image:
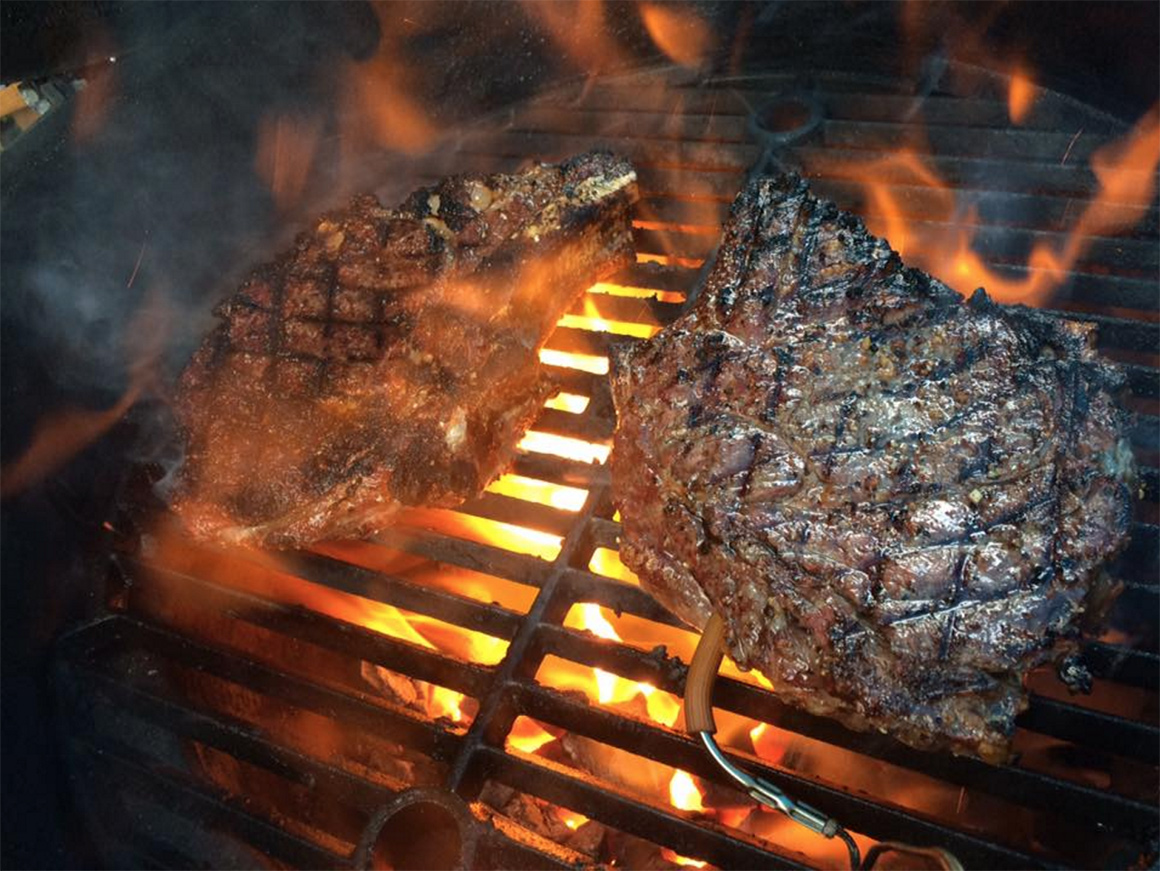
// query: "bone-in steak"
[[899, 501], [391, 358]]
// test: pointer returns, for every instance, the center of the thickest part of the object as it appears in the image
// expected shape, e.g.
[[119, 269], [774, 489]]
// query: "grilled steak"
[[391, 358], [897, 500]]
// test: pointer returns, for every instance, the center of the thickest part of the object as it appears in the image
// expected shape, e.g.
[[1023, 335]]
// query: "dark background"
[[166, 189]]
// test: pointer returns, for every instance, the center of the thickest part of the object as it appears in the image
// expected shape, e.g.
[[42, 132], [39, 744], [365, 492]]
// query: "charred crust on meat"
[[347, 377], [938, 480]]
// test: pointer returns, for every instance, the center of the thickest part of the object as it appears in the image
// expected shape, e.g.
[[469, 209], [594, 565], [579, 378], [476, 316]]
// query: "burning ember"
[[1020, 96]]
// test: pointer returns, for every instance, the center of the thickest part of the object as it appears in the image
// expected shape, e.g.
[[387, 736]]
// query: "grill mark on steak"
[[898, 500], [391, 357]]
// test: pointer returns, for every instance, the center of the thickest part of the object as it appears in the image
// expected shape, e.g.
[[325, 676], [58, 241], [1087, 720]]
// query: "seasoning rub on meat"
[[898, 501], [391, 357]]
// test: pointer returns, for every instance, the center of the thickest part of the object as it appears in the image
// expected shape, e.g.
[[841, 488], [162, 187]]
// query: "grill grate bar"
[[176, 791], [1019, 785], [1138, 668], [876, 820], [844, 99], [381, 718], [379, 587], [326, 632], [243, 741], [495, 715], [1009, 246], [636, 817], [1079, 725]]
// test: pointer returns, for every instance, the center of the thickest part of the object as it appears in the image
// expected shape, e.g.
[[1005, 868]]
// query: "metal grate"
[[279, 687]]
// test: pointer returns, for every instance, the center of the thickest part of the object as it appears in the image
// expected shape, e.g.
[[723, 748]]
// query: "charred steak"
[[898, 501], [391, 358]]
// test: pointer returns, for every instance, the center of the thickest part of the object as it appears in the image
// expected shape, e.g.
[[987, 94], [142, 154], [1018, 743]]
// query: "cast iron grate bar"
[[1014, 783], [875, 819], [175, 790]]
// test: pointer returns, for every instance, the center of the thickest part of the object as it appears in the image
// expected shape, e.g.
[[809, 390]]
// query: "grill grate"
[[132, 724]]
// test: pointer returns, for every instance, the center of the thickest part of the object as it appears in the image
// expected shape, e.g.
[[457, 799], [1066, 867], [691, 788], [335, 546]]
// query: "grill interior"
[[214, 718]]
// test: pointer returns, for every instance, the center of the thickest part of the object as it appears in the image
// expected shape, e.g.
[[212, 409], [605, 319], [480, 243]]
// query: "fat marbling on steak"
[[898, 501], [391, 357]]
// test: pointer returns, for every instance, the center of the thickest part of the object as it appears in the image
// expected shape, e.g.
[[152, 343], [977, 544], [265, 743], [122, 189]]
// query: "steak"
[[391, 357], [897, 501]]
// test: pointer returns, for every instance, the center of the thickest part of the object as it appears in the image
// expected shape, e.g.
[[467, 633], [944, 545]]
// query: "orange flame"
[[1021, 95], [578, 28], [573, 403], [766, 743], [61, 435], [1125, 170], [593, 321], [678, 859], [684, 794], [96, 98], [678, 32], [571, 819], [527, 735], [540, 492], [379, 106], [518, 539], [564, 446], [607, 562], [611, 689], [285, 155]]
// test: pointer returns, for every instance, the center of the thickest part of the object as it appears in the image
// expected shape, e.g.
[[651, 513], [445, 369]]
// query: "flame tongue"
[[684, 794], [943, 245]]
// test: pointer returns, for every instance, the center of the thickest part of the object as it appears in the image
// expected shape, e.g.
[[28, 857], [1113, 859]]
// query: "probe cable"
[[699, 721]]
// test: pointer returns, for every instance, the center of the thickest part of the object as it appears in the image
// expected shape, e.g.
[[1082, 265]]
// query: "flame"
[[1125, 170], [568, 360], [518, 539], [670, 260], [592, 320], [541, 492], [571, 819], [684, 794], [678, 32], [461, 581], [637, 292], [379, 104], [96, 98], [58, 437], [607, 562], [766, 743], [661, 707], [528, 735], [387, 620], [678, 859], [285, 155], [611, 689], [573, 403], [265, 574], [1021, 95], [565, 446], [61, 435], [578, 29]]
